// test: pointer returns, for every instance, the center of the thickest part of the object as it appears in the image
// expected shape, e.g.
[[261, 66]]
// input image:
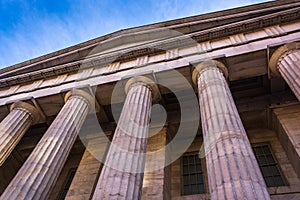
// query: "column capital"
[[279, 54], [142, 80], [81, 93], [32, 110], [208, 64]]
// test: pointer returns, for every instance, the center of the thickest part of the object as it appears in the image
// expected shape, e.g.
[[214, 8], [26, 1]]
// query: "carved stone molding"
[[279, 54], [32, 110], [156, 47], [138, 80], [208, 65], [81, 93]]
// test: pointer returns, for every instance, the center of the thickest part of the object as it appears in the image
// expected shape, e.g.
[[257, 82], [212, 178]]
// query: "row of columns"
[[231, 165], [41, 169]]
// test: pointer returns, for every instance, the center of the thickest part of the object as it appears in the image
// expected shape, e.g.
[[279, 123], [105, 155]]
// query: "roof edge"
[[146, 27]]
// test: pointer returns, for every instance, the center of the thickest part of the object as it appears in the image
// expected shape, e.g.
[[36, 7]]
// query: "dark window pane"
[[191, 160], [186, 189], [261, 160], [198, 168], [186, 180], [258, 151], [269, 181], [274, 170], [68, 184], [192, 173], [266, 171], [194, 189], [278, 180], [270, 159], [193, 179], [200, 178], [192, 169], [266, 150], [268, 166], [201, 188], [185, 160], [198, 161], [185, 169]]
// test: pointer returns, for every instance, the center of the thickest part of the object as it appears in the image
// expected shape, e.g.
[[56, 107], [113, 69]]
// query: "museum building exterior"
[[204, 107]]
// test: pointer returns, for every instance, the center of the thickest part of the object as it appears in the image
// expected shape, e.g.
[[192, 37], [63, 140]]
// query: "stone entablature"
[[255, 41], [249, 25], [184, 25]]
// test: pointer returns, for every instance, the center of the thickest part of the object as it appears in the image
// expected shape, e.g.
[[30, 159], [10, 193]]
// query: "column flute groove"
[[285, 62], [231, 165], [40, 171], [14, 126], [122, 173]]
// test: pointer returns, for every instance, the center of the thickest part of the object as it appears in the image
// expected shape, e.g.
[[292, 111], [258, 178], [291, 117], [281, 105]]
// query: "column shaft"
[[40, 171], [233, 172], [289, 68], [14, 126], [121, 176]]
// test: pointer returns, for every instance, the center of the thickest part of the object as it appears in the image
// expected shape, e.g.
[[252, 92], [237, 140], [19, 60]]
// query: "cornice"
[[156, 47], [95, 76], [182, 25]]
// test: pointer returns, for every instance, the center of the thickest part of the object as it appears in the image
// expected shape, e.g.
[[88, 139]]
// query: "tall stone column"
[[22, 115], [40, 171], [122, 174], [285, 62], [233, 172]]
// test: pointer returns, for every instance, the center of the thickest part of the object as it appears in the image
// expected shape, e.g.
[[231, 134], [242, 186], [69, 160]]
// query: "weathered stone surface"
[[289, 68], [266, 136], [242, 38], [286, 62], [14, 126], [88, 171], [122, 174], [85, 178], [40, 171], [287, 127], [233, 172], [156, 184]]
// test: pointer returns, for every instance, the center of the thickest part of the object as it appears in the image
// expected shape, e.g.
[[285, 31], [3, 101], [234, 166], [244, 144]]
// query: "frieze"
[[159, 47]]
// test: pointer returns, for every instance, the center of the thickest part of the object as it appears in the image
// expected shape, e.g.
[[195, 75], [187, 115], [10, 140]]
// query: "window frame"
[[277, 164], [63, 195], [204, 173]]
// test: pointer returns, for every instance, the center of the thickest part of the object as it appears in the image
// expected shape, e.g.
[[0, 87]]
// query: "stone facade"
[[106, 119]]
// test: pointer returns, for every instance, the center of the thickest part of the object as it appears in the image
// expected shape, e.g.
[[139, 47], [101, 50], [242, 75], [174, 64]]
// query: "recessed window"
[[68, 183], [192, 175], [268, 166]]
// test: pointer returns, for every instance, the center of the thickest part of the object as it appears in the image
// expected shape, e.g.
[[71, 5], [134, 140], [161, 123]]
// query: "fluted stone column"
[[122, 174], [285, 61], [22, 115], [40, 171], [233, 172]]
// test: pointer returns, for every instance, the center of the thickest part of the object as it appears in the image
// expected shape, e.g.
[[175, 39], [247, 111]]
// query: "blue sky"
[[31, 28]]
